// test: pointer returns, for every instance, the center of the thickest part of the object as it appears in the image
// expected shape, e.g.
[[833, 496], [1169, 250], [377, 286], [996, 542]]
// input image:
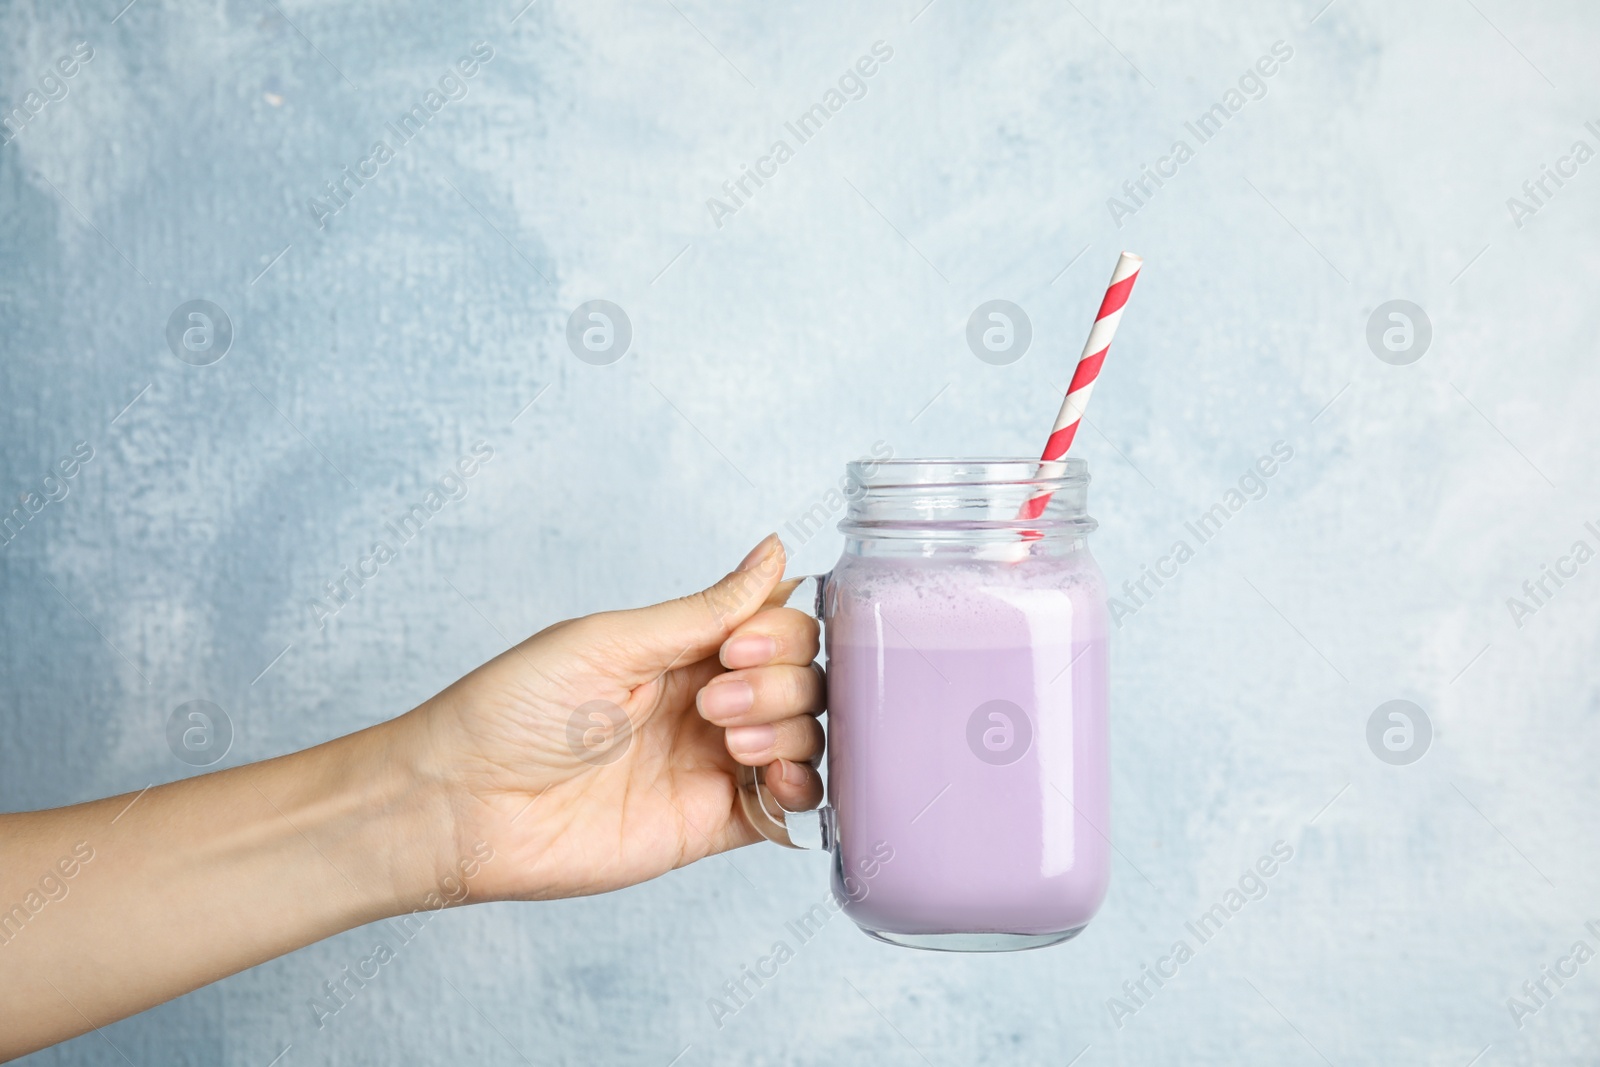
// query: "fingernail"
[[750, 740], [793, 773], [723, 699], [758, 553], [750, 650]]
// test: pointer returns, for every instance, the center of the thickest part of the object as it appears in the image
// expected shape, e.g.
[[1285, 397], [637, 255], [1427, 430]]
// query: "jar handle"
[[792, 829]]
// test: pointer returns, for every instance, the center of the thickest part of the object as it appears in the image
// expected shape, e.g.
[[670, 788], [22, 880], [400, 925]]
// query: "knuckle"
[[815, 686], [816, 739], [708, 602], [791, 743], [797, 684], [804, 624], [808, 643]]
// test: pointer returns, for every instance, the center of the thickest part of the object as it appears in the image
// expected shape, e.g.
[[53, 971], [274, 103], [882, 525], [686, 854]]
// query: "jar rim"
[[967, 500], [970, 471]]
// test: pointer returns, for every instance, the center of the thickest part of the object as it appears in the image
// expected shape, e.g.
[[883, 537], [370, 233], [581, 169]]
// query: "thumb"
[[690, 628]]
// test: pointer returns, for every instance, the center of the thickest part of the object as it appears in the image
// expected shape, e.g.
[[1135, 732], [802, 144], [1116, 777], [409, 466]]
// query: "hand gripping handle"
[[792, 829]]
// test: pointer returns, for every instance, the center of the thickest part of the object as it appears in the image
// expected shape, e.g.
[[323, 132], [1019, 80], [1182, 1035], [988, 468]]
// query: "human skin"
[[194, 880]]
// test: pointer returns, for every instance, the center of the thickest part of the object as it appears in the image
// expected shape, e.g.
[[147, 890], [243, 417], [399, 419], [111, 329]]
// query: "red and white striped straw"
[[1083, 378]]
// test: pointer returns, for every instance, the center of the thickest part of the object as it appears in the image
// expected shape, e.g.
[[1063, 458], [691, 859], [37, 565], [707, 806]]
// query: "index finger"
[[772, 636]]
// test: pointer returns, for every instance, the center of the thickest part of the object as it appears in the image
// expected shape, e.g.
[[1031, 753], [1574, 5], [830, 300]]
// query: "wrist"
[[434, 820], [409, 839]]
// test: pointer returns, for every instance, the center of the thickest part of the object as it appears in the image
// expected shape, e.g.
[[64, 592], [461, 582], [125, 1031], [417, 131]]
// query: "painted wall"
[[377, 335]]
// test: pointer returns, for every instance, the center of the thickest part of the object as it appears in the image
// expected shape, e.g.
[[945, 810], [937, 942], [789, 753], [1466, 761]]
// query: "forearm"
[[110, 907]]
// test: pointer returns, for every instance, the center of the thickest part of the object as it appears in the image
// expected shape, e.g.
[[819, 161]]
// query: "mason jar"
[[968, 775]]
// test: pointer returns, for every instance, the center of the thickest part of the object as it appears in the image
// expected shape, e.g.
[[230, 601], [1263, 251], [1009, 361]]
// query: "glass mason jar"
[[968, 774]]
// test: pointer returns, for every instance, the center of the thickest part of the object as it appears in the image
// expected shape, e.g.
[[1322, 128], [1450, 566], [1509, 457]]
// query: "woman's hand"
[[599, 753], [602, 751]]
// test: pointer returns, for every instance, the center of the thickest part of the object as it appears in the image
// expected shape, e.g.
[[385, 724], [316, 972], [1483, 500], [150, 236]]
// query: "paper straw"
[[1083, 379]]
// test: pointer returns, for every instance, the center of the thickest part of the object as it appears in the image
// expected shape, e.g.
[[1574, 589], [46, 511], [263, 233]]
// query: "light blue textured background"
[[823, 316]]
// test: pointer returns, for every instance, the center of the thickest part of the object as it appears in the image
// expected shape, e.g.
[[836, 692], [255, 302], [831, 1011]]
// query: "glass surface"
[[967, 680]]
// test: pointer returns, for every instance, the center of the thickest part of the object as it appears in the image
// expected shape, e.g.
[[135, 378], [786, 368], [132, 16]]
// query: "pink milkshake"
[[968, 778], [967, 730]]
